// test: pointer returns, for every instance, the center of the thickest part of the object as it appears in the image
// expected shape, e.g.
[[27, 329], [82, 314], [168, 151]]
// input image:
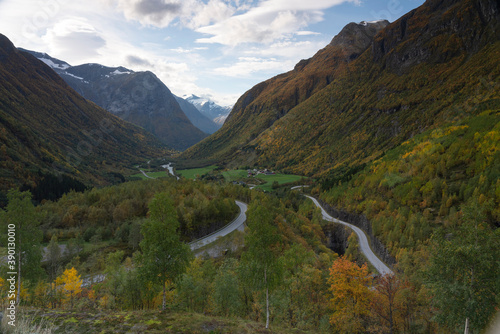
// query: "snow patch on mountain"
[[51, 63], [117, 72], [72, 75]]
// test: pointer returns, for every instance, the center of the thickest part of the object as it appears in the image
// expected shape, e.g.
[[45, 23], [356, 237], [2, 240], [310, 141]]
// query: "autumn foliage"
[[350, 303], [70, 284]]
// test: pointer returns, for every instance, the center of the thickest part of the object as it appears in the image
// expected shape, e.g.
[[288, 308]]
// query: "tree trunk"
[[267, 299], [164, 303], [466, 326]]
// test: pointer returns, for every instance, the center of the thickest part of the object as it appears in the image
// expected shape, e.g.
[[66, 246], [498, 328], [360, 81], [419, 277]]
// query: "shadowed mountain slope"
[[47, 128]]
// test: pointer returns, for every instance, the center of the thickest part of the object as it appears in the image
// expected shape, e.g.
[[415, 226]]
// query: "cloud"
[[267, 22], [137, 61], [306, 33], [286, 48], [246, 66], [74, 38], [159, 13], [205, 14]]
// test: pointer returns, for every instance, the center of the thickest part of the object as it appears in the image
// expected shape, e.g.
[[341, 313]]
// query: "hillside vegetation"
[[46, 129], [435, 65]]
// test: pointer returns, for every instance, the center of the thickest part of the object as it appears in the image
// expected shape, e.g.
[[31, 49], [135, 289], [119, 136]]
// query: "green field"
[[233, 175], [154, 175], [238, 174], [191, 173], [229, 176], [280, 178]]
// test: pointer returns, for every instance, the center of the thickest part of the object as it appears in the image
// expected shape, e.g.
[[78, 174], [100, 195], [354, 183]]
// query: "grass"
[[27, 323], [266, 180], [154, 175], [280, 178], [235, 174], [193, 172], [151, 321]]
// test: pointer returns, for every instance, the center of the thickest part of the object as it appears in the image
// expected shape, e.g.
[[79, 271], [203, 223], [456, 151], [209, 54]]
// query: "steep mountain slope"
[[436, 64], [270, 100], [138, 97], [199, 120], [47, 128], [210, 109]]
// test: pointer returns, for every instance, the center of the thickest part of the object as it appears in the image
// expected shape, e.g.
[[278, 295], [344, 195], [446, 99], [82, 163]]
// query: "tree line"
[[282, 274]]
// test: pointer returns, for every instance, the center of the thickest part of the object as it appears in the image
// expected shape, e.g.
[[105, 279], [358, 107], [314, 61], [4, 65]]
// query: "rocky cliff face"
[[138, 97], [464, 27]]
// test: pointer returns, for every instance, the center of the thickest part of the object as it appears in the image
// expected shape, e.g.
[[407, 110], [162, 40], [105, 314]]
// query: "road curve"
[[146, 175], [381, 267], [237, 224]]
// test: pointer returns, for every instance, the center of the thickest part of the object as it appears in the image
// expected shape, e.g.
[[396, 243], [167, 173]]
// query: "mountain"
[[372, 88], [46, 128], [199, 120], [54, 63], [138, 97], [209, 108]]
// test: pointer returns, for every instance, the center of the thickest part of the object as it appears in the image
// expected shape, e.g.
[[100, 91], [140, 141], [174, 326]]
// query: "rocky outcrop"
[[464, 27], [336, 237], [355, 38], [363, 223]]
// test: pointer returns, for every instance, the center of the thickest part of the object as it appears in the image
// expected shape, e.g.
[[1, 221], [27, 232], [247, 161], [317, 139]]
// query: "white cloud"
[[74, 38], [286, 49], [246, 66], [269, 21], [213, 11], [306, 33]]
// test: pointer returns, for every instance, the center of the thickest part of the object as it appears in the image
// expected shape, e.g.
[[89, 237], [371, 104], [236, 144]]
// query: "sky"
[[216, 49]]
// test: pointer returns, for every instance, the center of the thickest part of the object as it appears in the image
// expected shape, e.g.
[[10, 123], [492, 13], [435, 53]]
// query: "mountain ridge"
[[368, 104], [137, 97], [209, 108], [47, 128]]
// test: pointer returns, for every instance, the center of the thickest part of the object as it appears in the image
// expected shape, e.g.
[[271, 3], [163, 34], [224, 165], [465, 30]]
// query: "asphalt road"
[[381, 267], [237, 224]]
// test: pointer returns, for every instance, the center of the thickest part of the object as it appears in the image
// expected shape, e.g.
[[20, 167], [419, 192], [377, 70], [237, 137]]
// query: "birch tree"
[[464, 272], [263, 244], [21, 218], [164, 255]]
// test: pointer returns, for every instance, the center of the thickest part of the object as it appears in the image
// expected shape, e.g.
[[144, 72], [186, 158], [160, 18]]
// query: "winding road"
[[381, 267], [237, 224]]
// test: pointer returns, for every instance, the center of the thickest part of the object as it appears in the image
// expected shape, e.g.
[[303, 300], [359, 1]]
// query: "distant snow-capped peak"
[[209, 108]]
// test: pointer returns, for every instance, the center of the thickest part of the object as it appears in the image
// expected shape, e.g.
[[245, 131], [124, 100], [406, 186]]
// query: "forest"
[[281, 275]]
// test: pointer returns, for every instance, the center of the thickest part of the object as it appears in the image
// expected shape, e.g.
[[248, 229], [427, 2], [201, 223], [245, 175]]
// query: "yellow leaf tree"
[[350, 286], [71, 284]]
